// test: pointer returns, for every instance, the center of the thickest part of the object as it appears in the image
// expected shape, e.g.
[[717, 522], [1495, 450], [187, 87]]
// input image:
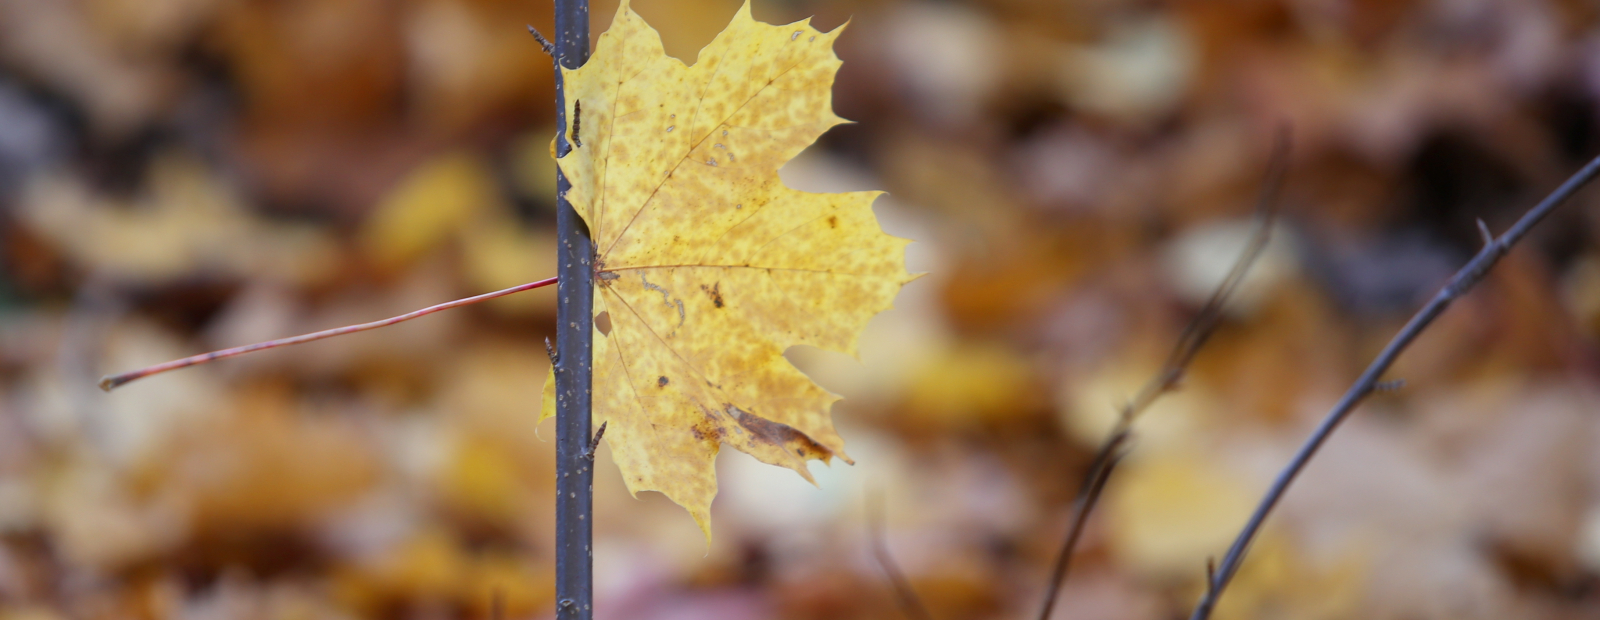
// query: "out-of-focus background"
[[178, 176]]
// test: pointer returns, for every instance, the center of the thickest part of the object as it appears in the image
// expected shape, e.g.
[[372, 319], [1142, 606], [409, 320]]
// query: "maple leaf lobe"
[[678, 182]]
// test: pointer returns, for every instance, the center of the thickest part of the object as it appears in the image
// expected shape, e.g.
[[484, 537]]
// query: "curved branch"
[[1167, 379], [1459, 284]]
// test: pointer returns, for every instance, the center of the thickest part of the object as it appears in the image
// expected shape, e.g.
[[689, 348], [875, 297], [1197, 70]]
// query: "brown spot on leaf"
[[662, 382], [833, 221], [768, 432], [602, 322]]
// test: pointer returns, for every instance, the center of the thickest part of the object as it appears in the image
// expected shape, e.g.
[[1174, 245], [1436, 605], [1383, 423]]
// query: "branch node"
[[594, 443], [543, 42], [550, 350], [1483, 229]]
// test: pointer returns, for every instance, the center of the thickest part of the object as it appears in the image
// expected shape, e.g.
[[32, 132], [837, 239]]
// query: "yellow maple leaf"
[[707, 267]]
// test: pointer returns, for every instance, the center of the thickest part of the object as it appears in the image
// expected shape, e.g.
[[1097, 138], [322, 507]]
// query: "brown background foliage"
[[183, 175]]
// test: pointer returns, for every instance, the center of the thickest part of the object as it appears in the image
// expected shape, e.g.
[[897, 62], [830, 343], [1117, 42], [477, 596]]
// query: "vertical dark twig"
[[1458, 285], [1167, 379], [1111, 453], [574, 332], [910, 604]]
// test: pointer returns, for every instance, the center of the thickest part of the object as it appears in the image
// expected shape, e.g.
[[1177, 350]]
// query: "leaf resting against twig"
[[708, 268]]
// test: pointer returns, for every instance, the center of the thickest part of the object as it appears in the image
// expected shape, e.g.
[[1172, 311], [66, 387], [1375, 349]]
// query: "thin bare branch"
[[1167, 379], [111, 382], [1458, 285], [1111, 453], [910, 604]]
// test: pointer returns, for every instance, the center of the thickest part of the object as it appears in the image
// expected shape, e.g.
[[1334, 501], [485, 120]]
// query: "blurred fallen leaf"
[[1091, 404], [189, 222], [1202, 256], [499, 252], [470, 61], [1137, 74], [970, 383], [56, 42], [1170, 510], [431, 569], [430, 206]]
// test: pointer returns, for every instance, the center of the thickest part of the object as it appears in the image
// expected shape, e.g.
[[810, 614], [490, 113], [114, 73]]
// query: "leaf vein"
[[646, 204]]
